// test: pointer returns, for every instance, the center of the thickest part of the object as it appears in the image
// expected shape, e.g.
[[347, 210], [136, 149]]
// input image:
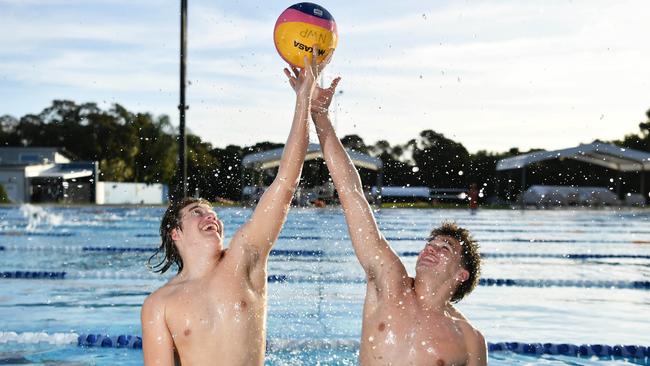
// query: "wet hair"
[[470, 258], [171, 220]]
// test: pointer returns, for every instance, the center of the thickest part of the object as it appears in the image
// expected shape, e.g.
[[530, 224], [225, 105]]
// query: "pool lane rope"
[[500, 282], [273, 345], [143, 249], [309, 253], [389, 238], [36, 233]]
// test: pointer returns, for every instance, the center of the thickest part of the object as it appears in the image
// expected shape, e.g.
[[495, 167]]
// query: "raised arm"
[[157, 342], [258, 235], [383, 267]]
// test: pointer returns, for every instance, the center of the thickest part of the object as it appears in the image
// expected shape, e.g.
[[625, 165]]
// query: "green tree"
[[3, 195], [228, 176], [639, 141], [8, 135], [396, 172], [201, 167], [442, 162], [354, 142], [155, 159]]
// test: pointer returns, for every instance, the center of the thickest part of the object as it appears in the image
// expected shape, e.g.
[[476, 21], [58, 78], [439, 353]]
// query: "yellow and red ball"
[[301, 26]]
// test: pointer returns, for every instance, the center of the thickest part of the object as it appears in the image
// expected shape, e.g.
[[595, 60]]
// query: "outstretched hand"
[[303, 81], [322, 98]]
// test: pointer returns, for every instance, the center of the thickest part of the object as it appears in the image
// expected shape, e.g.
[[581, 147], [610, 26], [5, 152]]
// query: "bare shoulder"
[[473, 335], [157, 341], [474, 341], [157, 300], [469, 331], [476, 348]]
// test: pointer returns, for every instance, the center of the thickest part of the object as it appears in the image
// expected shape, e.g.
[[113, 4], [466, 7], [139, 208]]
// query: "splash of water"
[[38, 217], [40, 337]]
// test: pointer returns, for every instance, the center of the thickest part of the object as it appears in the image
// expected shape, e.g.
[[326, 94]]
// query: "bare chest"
[[211, 313], [404, 336]]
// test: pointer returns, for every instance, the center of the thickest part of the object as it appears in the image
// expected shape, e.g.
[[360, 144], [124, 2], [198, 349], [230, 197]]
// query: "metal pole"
[[642, 188], [618, 183], [182, 141], [523, 187], [496, 188], [509, 187]]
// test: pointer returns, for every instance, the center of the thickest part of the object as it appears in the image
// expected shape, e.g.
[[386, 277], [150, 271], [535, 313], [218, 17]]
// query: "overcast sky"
[[489, 74]]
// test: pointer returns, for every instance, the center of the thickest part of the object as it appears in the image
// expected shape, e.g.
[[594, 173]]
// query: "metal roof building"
[[598, 153], [271, 159]]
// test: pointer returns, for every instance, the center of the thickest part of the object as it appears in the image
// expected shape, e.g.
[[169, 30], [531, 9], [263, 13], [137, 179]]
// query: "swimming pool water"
[[105, 290]]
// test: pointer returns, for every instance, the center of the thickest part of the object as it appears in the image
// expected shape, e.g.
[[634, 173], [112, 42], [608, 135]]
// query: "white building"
[[121, 193], [46, 174]]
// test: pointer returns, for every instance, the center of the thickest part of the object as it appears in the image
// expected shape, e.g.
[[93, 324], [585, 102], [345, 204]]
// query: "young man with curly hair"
[[406, 320]]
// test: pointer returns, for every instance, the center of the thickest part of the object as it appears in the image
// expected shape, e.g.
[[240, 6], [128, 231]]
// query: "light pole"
[[182, 141]]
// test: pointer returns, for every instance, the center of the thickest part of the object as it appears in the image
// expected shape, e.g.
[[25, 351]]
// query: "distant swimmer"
[[213, 312], [406, 321]]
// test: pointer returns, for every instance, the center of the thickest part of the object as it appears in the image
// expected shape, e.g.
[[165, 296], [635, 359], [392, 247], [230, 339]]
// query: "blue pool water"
[[315, 317]]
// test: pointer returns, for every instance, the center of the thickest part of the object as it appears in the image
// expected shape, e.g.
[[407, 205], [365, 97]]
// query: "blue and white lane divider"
[[507, 282], [144, 249], [422, 239], [36, 233], [135, 342], [306, 253], [75, 248], [389, 238], [566, 349], [576, 256]]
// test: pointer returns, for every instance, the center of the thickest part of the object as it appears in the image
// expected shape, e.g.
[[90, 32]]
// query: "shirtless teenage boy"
[[213, 312], [406, 321]]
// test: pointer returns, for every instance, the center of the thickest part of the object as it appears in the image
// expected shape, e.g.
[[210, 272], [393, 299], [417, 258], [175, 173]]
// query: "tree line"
[[141, 147]]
